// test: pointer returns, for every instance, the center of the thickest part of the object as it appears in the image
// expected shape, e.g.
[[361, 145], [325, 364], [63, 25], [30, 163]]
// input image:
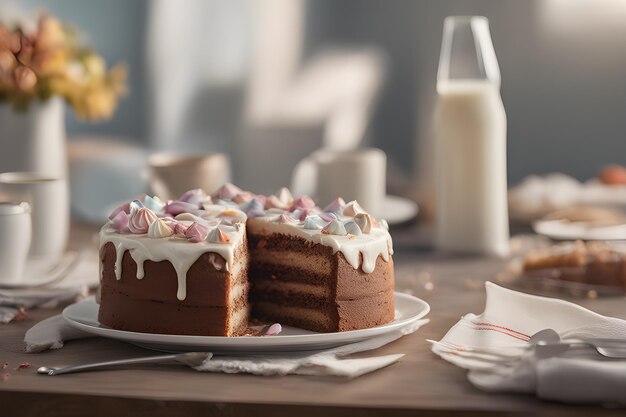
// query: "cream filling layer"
[[294, 287], [314, 263], [367, 246], [179, 252]]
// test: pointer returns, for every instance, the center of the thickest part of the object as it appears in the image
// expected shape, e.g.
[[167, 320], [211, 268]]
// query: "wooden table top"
[[420, 383]]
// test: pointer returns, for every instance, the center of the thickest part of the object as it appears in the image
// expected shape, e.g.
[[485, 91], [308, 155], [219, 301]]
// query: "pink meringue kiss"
[[328, 217], [196, 232], [286, 219], [119, 222], [271, 330], [244, 197], [124, 208], [304, 202], [179, 228], [335, 205], [227, 191], [196, 196], [304, 213], [275, 202], [140, 220], [176, 207]]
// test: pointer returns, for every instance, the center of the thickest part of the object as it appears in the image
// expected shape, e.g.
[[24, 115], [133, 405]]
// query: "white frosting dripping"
[[368, 246], [181, 253]]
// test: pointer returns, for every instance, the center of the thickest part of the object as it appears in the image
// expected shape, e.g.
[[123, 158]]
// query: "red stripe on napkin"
[[502, 328]]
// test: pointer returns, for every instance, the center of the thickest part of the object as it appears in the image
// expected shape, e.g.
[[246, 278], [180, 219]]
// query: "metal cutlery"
[[545, 343], [189, 359]]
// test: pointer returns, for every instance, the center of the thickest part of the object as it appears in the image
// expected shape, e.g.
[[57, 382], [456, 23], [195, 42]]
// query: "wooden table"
[[420, 384]]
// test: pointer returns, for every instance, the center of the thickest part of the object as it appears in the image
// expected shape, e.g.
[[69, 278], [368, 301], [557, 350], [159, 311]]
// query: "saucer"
[[397, 210], [43, 273]]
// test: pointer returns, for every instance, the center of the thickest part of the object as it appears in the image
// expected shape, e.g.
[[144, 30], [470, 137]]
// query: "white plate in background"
[[561, 230], [397, 210]]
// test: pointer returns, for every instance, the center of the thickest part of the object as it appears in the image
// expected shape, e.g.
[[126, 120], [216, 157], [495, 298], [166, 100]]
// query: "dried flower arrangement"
[[48, 59]]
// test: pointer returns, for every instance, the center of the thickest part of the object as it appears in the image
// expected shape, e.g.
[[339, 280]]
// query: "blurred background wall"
[[563, 67]]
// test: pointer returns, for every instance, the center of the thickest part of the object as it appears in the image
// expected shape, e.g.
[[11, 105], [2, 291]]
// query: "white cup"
[[49, 201], [354, 175], [173, 174], [15, 237]]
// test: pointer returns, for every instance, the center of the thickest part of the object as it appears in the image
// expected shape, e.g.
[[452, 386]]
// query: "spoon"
[[547, 343], [190, 359]]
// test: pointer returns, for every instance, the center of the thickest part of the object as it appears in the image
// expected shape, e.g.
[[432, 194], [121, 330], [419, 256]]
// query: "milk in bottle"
[[470, 143]]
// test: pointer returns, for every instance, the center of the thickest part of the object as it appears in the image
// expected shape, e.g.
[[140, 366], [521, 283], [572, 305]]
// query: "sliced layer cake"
[[193, 266]]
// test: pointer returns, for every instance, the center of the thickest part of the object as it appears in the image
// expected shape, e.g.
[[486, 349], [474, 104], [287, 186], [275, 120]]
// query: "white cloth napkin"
[[54, 331], [504, 328], [75, 273]]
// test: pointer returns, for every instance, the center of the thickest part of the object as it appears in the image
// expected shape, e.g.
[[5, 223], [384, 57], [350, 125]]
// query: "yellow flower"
[[36, 64], [50, 34]]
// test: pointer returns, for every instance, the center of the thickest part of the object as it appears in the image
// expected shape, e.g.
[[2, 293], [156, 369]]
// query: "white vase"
[[34, 140]]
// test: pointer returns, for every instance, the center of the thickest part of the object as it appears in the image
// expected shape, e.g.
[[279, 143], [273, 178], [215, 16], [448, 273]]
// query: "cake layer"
[[344, 315], [206, 286], [344, 282], [123, 312], [304, 318], [320, 264]]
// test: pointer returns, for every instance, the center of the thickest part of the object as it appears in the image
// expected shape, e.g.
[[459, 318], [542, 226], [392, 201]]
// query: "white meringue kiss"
[[159, 229], [352, 209], [364, 221], [216, 235], [352, 228]]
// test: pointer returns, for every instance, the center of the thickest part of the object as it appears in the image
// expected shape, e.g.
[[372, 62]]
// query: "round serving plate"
[[560, 230], [83, 315]]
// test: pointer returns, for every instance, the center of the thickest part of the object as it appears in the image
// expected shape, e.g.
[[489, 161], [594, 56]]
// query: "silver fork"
[[189, 359]]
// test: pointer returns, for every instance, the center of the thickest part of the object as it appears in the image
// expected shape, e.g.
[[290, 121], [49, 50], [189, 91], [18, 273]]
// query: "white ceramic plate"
[[83, 315], [560, 230], [397, 210]]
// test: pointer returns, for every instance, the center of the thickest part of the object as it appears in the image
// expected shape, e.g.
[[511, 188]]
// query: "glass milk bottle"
[[470, 142]]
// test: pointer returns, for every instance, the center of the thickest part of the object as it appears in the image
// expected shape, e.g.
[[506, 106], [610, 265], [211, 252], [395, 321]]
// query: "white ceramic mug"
[[49, 201], [173, 174], [354, 175], [15, 237]]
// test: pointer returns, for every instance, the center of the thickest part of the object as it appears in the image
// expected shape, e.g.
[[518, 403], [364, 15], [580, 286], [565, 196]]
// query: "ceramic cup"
[[173, 174], [354, 175], [49, 201], [15, 237]]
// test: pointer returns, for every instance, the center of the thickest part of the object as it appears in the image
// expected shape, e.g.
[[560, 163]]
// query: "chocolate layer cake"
[[188, 266]]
